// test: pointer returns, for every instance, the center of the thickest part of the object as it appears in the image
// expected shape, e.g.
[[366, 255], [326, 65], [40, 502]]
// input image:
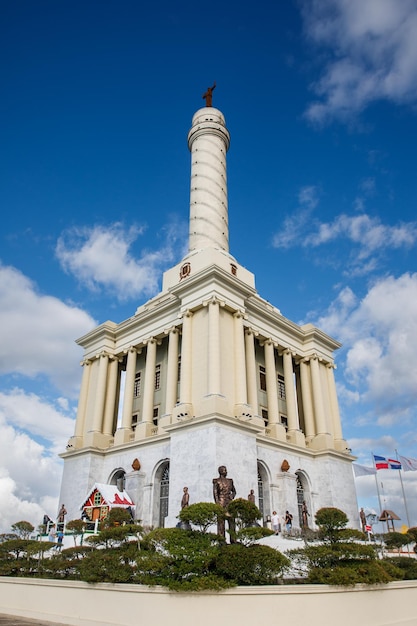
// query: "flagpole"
[[377, 487], [402, 488]]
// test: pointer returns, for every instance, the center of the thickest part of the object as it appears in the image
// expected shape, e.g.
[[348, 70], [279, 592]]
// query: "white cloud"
[[379, 333], [369, 236], [371, 54], [37, 332], [102, 257], [33, 433]]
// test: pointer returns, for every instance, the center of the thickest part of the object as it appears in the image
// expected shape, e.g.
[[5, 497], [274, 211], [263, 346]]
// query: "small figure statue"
[[223, 492], [185, 498], [251, 496], [61, 515], [208, 96], [363, 519], [305, 514]]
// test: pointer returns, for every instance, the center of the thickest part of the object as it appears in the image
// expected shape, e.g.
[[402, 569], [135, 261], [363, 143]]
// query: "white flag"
[[409, 465], [363, 470]]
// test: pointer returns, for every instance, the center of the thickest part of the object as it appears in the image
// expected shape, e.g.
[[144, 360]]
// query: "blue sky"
[[320, 98]]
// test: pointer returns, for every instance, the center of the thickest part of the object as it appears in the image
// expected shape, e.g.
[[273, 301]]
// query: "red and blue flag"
[[383, 463]]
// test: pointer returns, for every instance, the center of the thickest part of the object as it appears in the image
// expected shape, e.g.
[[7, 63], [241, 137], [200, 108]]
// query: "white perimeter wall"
[[81, 604]]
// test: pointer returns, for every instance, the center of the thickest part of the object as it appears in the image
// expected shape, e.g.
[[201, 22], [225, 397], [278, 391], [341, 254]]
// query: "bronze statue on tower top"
[[208, 96]]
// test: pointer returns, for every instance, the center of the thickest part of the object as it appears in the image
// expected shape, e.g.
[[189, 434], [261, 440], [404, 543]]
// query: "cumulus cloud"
[[371, 54], [379, 333], [33, 433], [37, 332], [102, 257]]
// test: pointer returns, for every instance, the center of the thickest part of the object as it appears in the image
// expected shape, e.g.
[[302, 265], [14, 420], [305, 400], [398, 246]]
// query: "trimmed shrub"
[[252, 565]]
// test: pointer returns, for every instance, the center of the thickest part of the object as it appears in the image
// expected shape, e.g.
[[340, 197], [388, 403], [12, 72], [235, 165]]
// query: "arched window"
[[260, 494], [300, 500], [118, 478], [164, 495]]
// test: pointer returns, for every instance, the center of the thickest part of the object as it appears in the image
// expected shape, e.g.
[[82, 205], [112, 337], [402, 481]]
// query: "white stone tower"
[[211, 374]]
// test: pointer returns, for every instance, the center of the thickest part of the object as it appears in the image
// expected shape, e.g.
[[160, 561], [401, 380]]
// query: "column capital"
[[187, 313], [173, 330], [240, 314], [151, 340], [85, 362], [251, 331], [214, 300], [268, 342], [132, 349]]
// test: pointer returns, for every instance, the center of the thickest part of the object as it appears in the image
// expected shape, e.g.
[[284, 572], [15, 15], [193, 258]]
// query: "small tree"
[[330, 522], [23, 529], [202, 514], [244, 513], [397, 540], [77, 528], [117, 517]]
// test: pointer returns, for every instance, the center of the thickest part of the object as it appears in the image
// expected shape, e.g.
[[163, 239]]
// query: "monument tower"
[[205, 374]]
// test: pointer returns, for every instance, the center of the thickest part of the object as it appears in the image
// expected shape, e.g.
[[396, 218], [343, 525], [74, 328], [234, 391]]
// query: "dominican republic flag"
[[382, 463]]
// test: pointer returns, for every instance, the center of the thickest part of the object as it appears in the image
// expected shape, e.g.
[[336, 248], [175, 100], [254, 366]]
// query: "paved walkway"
[[10, 620]]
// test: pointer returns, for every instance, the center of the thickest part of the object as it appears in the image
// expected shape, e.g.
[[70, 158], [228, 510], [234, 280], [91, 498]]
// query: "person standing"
[[288, 521], [275, 522]]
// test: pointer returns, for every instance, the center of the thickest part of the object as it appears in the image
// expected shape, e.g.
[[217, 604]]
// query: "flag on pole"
[[362, 470], [408, 465], [383, 463]]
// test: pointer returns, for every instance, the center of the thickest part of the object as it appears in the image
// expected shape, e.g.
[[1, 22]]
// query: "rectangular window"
[[135, 419], [157, 377], [264, 413], [155, 415], [179, 369], [281, 387], [284, 421], [262, 378], [136, 389]]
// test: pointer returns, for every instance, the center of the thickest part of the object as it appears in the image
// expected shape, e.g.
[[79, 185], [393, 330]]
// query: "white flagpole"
[[402, 488], [377, 487]]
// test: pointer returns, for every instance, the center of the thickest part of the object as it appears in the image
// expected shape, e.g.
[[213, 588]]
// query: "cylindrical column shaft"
[[271, 383], [292, 415], [129, 389], [251, 379], [111, 396], [186, 358], [100, 395], [307, 400], [334, 405], [149, 386], [172, 370], [240, 370], [82, 403], [318, 403]]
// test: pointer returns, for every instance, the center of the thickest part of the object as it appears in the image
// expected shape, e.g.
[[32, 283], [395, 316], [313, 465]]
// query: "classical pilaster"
[[184, 410], [213, 373], [294, 433], [241, 410], [145, 426], [123, 433], [275, 428]]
